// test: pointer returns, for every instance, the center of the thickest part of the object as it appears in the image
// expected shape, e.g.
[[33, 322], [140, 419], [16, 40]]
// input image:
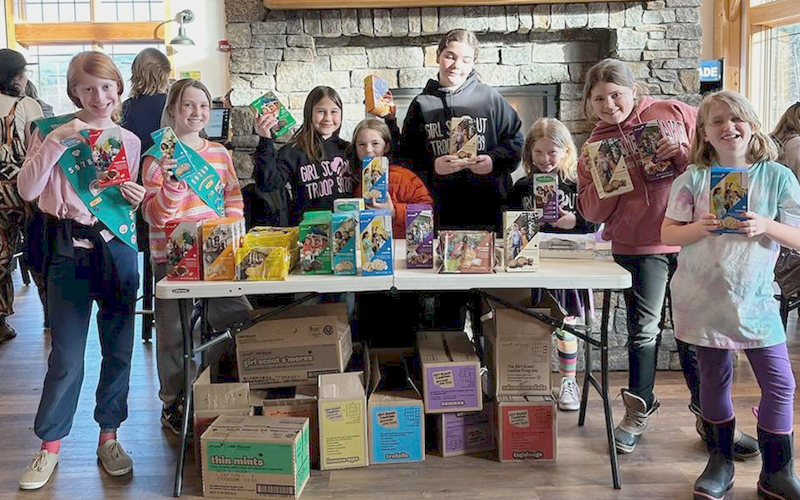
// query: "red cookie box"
[[183, 250], [108, 155], [526, 428]]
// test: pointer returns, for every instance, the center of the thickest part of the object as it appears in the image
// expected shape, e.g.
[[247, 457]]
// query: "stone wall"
[[290, 52]]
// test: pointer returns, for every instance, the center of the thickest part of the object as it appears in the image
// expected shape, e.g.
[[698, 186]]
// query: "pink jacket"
[[633, 220]]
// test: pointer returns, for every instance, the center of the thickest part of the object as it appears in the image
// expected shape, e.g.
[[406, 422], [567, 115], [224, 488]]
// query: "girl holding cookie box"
[[463, 139], [722, 291], [611, 97], [549, 149], [314, 163], [186, 112]]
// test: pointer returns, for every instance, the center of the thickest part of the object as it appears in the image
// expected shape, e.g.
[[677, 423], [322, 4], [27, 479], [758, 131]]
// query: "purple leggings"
[[774, 374]]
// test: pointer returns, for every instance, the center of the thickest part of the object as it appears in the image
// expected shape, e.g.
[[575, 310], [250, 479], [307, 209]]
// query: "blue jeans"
[[73, 284]]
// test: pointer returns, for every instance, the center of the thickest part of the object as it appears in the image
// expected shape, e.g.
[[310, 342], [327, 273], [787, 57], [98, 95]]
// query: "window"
[[48, 11]]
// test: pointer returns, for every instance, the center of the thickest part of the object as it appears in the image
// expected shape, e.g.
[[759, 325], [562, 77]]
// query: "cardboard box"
[[295, 348], [521, 242], [419, 236], [302, 404], [450, 372], [342, 421], [396, 427], [462, 433], [518, 352], [255, 457], [526, 428], [183, 250]]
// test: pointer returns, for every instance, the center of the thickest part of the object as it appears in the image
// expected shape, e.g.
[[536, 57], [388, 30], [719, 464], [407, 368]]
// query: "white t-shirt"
[[722, 290], [27, 110]]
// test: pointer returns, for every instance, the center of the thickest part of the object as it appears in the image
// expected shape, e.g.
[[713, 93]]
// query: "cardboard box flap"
[[378, 358], [349, 385], [210, 397], [386, 397], [292, 332], [522, 325], [445, 347], [264, 429]]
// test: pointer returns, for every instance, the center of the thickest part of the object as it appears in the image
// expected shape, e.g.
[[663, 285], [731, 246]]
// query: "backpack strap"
[[10, 129]]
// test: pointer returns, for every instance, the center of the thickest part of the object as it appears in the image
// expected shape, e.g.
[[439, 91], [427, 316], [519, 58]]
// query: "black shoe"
[[777, 480], [745, 446], [172, 417], [6, 332], [717, 478]]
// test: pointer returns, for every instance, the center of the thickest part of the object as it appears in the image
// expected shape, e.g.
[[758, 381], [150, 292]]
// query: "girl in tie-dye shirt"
[[722, 294]]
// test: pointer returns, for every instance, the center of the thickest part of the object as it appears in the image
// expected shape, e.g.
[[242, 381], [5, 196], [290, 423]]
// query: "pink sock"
[[52, 446], [107, 436]]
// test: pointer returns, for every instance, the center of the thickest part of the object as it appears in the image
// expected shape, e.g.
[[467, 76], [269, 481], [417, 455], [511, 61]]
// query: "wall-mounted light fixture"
[[183, 17]]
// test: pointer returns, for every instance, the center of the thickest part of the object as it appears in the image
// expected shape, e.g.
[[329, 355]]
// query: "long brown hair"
[[98, 65], [788, 126], [608, 71], [458, 35], [307, 138]]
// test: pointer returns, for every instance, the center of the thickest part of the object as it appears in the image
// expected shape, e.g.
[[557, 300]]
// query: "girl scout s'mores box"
[[463, 137], [419, 236], [728, 197], [183, 250], [375, 179], [221, 238], [376, 243], [521, 241], [545, 197], [344, 227], [315, 242], [108, 155]]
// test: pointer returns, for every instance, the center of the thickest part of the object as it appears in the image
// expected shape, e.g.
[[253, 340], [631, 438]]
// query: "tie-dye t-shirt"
[[722, 292]]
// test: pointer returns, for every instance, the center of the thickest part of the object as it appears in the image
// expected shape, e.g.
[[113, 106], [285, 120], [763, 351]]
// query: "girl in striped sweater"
[[187, 111]]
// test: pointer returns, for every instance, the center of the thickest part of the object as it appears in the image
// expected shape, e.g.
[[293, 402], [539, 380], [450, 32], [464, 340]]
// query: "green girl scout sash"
[[105, 203], [199, 175]]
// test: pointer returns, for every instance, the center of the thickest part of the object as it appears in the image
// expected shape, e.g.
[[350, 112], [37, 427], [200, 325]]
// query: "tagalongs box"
[[526, 428]]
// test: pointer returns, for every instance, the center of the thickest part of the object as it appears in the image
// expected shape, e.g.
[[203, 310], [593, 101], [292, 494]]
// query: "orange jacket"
[[405, 187]]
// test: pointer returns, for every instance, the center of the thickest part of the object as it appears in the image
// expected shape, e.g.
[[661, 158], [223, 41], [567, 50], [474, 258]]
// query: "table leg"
[[183, 306], [612, 448], [587, 350]]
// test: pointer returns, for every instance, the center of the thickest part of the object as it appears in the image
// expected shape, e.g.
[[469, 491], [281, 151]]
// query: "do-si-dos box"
[[295, 348], [521, 241], [462, 433], [526, 428], [315, 242], [344, 227], [419, 236], [728, 197], [183, 250], [518, 352], [255, 457], [221, 239], [302, 404], [375, 179], [342, 421], [376, 243], [348, 205], [450, 372]]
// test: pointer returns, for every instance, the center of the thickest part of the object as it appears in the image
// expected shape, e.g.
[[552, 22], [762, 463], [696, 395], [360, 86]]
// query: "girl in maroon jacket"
[[633, 223]]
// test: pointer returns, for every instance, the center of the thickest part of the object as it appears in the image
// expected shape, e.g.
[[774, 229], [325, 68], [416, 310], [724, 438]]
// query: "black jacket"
[[463, 199], [312, 186], [521, 198]]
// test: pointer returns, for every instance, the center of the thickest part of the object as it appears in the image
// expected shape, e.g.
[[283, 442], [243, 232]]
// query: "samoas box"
[[728, 197], [376, 243]]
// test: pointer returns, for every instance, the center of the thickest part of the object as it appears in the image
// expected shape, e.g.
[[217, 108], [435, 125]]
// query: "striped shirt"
[[164, 202]]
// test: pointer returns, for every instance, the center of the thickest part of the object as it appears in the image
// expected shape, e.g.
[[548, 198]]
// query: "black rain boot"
[[745, 446], [777, 480], [717, 478]]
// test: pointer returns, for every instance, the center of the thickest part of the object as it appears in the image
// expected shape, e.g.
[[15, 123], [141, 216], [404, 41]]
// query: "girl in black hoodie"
[[466, 193], [314, 163]]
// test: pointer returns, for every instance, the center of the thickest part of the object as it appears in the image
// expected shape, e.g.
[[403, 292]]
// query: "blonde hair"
[[150, 73], [98, 65], [378, 126], [761, 147], [458, 35], [558, 133], [176, 94], [788, 126], [608, 71]]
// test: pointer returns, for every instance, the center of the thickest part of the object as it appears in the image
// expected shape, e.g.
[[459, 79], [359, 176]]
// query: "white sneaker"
[[569, 396], [39, 470], [114, 459]]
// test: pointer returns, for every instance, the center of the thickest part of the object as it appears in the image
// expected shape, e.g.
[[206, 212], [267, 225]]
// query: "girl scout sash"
[[199, 175], [105, 203]]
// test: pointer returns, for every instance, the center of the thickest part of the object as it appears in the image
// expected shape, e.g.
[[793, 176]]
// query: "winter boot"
[[6, 332], [745, 446], [627, 433], [777, 480], [717, 478]]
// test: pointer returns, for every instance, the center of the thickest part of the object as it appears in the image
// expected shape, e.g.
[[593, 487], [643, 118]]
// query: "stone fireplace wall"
[[290, 52]]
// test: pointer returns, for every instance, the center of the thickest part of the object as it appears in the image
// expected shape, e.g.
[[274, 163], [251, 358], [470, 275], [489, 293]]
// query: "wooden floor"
[[664, 465]]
